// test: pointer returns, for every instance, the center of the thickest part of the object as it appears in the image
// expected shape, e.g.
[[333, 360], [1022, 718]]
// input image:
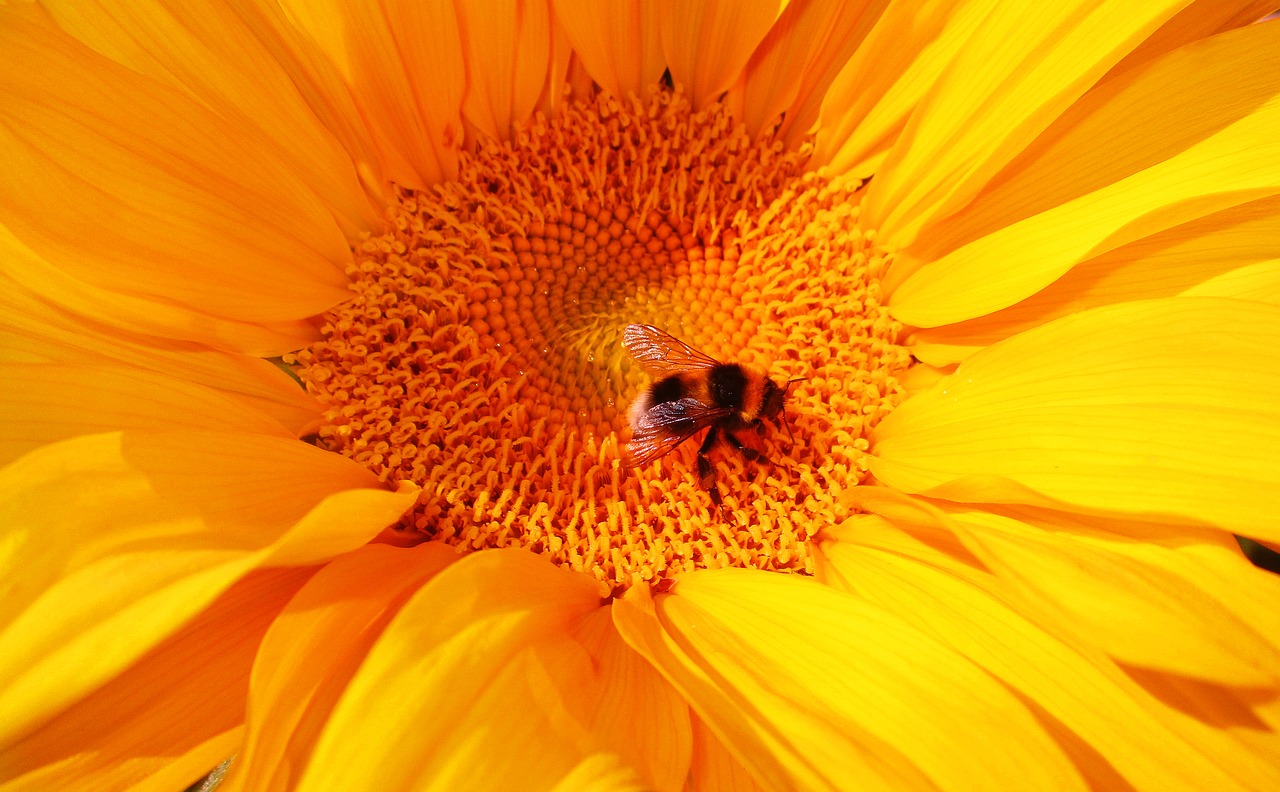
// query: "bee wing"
[[661, 354], [662, 427]]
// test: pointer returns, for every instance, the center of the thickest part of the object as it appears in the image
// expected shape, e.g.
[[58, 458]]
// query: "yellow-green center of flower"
[[481, 355]]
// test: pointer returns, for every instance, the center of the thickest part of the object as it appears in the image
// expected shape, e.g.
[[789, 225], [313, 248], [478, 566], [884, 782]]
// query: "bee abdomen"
[[668, 389]]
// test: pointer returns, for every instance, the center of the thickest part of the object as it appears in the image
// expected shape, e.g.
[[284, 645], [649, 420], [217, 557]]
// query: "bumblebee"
[[692, 392]]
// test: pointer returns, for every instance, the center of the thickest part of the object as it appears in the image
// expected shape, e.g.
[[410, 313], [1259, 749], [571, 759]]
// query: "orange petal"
[[714, 769], [1159, 407], [1018, 71], [1191, 609], [184, 698], [497, 645], [117, 540], [314, 647], [34, 332], [128, 175], [626, 706], [58, 401], [1230, 253], [507, 49], [88, 315], [1114, 732], [1130, 159], [706, 44], [404, 63], [211, 50], [617, 42], [793, 66], [812, 688]]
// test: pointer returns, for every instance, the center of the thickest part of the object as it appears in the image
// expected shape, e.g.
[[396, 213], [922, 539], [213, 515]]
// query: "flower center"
[[481, 355]]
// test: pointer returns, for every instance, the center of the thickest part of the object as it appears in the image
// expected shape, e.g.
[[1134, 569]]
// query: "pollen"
[[480, 355]]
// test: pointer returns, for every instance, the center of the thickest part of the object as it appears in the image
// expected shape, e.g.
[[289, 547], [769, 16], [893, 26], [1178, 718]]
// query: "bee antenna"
[[787, 424]]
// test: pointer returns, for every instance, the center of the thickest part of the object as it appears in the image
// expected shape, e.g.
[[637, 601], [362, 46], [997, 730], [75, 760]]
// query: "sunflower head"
[[481, 355]]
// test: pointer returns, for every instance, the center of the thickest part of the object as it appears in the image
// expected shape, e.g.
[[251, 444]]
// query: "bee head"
[[775, 398]]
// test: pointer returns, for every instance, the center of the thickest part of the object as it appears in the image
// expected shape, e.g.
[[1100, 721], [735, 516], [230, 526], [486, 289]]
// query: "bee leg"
[[707, 472], [749, 453]]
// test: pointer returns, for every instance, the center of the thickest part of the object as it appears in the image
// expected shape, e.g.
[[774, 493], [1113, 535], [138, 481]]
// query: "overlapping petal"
[[1112, 729], [878, 88], [500, 649], [1197, 592], [35, 332], [618, 43], [168, 718], [123, 176], [789, 72], [312, 650], [1129, 160], [812, 688], [1018, 71], [227, 58], [404, 65], [507, 51], [115, 540], [1158, 407], [706, 44], [1231, 253]]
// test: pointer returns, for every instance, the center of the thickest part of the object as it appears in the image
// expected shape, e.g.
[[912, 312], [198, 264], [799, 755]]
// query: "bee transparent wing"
[[660, 354], [664, 426]]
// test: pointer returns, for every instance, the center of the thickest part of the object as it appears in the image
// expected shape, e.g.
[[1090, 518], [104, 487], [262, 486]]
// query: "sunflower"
[[315, 406]]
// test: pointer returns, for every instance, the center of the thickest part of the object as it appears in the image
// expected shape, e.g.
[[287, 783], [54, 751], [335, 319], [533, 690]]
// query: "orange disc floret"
[[480, 354]]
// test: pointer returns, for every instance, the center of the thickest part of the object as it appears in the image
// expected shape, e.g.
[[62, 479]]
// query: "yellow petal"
[[790, 70], [1023, 65], [486, 647], [1230, 253], [114, 541], [600, 773], [876, 91], [1130, 159], [404, 63], [1110, 727], [1200, 19], [62, 401], [1159, 407], [812, 688], [312, 650], [1259, 281], [126, 176], [618, 42], [508, 50], [1240, 727], [706, 44], [212, 50], [1187, 610], [174, 714]]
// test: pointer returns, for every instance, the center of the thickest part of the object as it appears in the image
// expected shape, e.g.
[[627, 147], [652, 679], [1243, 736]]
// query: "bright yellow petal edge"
[[1048, 568]]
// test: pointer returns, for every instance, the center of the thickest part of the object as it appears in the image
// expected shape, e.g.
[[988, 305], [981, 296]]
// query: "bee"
[[692, 392]]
